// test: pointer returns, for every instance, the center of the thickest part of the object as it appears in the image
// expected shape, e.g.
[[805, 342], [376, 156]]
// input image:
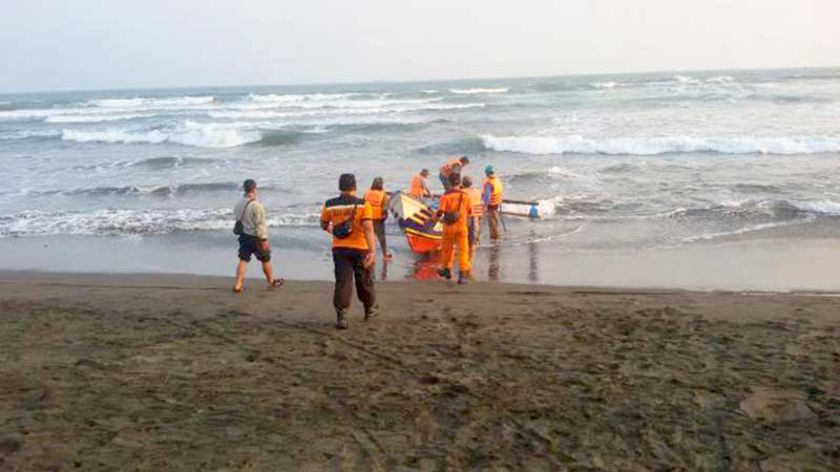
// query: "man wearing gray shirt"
[[253, 237]]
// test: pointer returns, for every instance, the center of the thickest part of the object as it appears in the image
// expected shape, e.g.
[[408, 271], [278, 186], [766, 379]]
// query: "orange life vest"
[[447, 168], [376, 198], [496, 191], [475, 200], [418, 187]]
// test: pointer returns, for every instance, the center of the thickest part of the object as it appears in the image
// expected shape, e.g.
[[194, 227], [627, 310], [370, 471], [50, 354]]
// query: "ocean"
[[723, 179]]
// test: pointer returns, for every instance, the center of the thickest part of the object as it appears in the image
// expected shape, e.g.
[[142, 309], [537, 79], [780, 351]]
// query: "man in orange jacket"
[[452, 166], [379, 203], [492, 194], [455, 210], [419, 189], [477, 211]]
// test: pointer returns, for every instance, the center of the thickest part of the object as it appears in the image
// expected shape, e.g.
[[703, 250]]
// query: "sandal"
[[277, 283]]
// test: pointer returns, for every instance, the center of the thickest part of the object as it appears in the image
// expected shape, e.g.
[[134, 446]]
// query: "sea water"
[[644, 164]]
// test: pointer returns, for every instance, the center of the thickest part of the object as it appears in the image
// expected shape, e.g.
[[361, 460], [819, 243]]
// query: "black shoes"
[[445, 273]]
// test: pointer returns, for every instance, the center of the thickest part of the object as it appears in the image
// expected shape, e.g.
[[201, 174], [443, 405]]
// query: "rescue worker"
[[455, 210], [350, 221], [453, 166], [477, 211], [419, 189], [379, 203], [492, 195]]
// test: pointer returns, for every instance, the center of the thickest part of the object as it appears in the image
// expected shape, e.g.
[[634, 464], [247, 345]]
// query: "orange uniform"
[[475, 201], [377, 200], [418, 187], [338, 210], [449, 165], [456, 234]]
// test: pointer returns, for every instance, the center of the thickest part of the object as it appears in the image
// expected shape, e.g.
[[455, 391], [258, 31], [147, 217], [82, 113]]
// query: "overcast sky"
[[92, 44]]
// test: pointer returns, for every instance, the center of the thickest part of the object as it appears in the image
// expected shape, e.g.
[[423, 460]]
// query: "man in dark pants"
[[350, 221]]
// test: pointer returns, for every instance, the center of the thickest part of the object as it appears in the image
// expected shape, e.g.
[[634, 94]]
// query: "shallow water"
[[656, 162]]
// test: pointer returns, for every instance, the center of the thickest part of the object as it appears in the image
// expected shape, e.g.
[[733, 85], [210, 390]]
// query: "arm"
[[485, 194], [370, 237], [260, 225], [326, 225]]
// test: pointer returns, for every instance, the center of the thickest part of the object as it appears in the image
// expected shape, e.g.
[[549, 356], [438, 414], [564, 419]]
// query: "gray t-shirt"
[[253, 217]]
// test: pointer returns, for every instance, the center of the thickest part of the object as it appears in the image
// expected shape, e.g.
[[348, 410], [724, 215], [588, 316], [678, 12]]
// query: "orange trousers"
[[449, 241]]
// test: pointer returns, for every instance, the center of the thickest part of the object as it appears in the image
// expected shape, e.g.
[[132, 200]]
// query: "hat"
[[489, 170]]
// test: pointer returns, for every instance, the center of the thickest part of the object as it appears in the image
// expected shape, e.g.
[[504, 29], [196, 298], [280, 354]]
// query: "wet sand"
[[103, 372]]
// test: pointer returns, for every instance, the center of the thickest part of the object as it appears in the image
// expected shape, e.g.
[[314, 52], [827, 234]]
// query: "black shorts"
[[251, 245]]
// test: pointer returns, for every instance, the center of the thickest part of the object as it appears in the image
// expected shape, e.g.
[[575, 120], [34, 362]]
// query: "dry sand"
[[176, 373]]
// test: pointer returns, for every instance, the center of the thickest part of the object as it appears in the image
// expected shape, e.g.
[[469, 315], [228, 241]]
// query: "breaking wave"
[[152, 102], [189, 134], [643, 146], [133, 222]]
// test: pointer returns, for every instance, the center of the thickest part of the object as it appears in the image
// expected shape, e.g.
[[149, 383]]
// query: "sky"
[[101, 44]]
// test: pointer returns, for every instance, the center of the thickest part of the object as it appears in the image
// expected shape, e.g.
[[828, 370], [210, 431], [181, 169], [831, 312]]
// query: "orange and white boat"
[[415, 219]]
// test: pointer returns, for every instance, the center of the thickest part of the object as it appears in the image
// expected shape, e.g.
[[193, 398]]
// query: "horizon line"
[[409, 81]]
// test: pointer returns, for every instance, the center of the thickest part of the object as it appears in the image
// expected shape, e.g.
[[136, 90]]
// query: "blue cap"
[[489, 170]]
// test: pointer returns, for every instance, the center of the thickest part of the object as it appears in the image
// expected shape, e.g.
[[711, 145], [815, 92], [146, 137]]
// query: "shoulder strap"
[[245, 209]]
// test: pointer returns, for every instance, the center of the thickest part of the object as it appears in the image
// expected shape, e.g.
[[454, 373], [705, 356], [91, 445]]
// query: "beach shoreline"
[[175, 372]]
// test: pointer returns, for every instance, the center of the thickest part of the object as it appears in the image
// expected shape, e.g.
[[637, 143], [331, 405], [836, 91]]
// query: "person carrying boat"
[[419, 189], [378, 201], [477, 204], [350, 222], [455, 210], [492, 195], [452, 166]]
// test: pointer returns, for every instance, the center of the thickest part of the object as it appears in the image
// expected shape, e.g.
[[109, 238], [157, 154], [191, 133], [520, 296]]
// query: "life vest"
[[475, 201], [418, 187], [496, 191], [376, 198], [447, 168]]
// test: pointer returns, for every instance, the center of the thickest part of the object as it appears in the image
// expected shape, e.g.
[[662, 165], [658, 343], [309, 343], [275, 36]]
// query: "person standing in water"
[[253, 237], [419, 189], [455, 210], [350, 222], [492, 195], [452, 166], [378, 201], [474, 223]]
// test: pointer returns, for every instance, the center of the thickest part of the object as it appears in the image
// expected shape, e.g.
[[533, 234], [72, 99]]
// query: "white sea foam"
[[133, 222], [824, 207], [165, 102], [396, 107], [189, 133], [574, 144], [429, 91], [474, 91], [95, 118]]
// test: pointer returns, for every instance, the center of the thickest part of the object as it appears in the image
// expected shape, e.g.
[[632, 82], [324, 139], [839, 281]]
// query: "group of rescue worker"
[[356, 223]]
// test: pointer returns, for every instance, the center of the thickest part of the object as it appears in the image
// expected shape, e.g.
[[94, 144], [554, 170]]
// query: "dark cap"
[[347, 183], [249, 185]]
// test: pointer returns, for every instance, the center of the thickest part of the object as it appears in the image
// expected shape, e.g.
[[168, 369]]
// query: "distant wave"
[[134, 222], [474, 91], [151, 102], [190, 134], [396, 107], [96, 118], [606, 85], [574, 144]]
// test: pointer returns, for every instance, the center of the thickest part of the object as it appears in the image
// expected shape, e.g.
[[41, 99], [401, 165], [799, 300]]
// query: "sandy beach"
[[103, 372]]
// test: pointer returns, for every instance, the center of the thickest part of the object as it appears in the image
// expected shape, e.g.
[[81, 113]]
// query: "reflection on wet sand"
[[425, 266], [533, 258], [494, 267]]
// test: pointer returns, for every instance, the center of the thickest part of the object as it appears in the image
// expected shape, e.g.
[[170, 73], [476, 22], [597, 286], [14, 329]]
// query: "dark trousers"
[[349, 266], [379, 231]]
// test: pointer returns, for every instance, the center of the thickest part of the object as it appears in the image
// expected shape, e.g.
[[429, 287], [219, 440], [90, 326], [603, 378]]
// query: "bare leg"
[[240, 275], [268, 270]]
